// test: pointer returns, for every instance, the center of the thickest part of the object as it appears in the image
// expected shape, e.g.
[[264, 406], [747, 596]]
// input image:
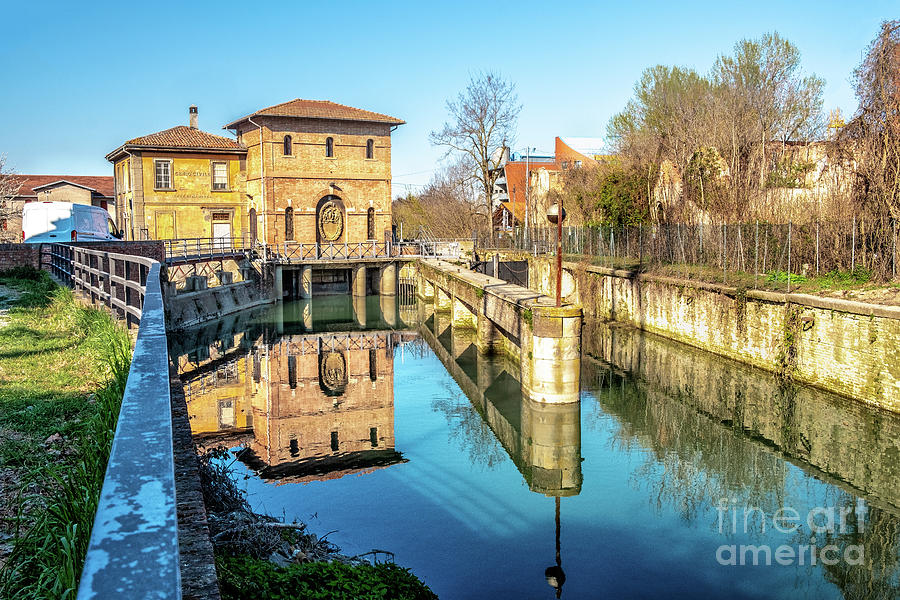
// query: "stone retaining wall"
[[842, 346]]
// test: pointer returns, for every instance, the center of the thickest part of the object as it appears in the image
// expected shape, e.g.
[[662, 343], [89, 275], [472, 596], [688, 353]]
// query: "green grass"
[[63, 369], [244, 577]]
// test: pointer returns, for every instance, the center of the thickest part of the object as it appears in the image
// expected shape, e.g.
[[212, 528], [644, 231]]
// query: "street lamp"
[[556, 214]]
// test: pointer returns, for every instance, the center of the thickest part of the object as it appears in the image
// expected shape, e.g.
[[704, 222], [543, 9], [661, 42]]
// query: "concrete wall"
[[846, 347], [192, 308]]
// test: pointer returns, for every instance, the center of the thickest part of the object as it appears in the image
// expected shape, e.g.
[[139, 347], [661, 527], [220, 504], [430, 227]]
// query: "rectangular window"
[[219, 176], [163, 174]]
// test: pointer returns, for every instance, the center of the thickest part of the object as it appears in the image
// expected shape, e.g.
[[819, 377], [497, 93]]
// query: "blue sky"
[[81, 78]]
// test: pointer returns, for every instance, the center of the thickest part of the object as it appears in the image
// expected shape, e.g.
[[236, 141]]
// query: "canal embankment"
[[843, 346]]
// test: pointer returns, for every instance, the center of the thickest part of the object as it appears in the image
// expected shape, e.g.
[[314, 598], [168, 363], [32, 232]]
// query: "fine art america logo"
[[823, 523]]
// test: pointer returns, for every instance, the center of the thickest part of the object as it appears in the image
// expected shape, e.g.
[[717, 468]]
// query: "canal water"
[[674, 472]]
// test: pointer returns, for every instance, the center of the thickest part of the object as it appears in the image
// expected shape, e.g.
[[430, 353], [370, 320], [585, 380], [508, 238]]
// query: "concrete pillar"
[[358, 281], [442, 300], [305, 286], [279, 317], [485, 334], [425, 289], [551, 353], [495, 266], [359, 310], [388, 280], [279, 283], [305, 308], [462, 316], [551, 444], [388, 306], [460, 342]]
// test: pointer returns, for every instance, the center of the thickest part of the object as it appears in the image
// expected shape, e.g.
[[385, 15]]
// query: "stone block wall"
[[842, 346]]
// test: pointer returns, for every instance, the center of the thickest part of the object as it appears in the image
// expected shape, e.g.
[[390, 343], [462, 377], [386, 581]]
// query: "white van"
[[49, 222]]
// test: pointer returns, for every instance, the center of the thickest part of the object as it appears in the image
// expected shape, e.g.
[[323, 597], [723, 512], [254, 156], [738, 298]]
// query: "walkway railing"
[[116, 280], [133, 551], [194, 249], [297, 251]]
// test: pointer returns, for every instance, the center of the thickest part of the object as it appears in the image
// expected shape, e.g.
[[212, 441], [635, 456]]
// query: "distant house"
[[527, 180], [92, 190]]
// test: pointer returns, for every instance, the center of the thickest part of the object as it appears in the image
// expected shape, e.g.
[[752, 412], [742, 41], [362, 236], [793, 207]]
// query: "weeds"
[[55, 354]]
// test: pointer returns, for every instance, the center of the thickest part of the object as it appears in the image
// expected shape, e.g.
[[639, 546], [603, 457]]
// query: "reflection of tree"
[[468, 428], [878, 578], [692, 461]]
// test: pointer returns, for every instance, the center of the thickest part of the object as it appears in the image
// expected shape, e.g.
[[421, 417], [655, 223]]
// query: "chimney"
[[193, 114]]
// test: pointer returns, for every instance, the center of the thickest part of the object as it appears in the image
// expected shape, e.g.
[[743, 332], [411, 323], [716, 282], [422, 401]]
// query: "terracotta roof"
[[184, 137], [319, 109], [102, 184]]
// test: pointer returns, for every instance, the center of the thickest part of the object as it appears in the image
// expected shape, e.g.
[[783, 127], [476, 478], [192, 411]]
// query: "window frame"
[[370, 149], [171, 168], [212, 176], [287, 146], [329, 147]]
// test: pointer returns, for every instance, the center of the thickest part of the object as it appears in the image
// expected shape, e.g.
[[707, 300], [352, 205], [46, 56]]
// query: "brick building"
[[304, 170], [318, 171]]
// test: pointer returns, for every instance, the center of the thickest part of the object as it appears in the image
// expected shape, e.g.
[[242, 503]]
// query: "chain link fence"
[[862, 249]]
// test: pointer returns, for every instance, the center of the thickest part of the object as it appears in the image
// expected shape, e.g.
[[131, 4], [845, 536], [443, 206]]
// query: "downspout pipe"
[[262, 171]]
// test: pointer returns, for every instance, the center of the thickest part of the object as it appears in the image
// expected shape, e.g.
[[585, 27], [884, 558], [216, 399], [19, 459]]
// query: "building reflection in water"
[[543, 440], [306, 387]]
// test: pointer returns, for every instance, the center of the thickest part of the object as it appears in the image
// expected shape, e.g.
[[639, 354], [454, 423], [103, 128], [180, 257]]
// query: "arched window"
[[329, 147], [370, 148], [289, 223], [370, 223], [288, 145]]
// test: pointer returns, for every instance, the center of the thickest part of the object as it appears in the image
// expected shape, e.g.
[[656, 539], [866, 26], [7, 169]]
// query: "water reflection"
[[306, 387]]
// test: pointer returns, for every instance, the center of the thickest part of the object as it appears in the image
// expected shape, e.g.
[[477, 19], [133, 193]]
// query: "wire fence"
[[865, 250]]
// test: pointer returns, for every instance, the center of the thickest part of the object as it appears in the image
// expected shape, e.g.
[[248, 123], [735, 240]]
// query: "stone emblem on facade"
[[333, 372], [331, 222]]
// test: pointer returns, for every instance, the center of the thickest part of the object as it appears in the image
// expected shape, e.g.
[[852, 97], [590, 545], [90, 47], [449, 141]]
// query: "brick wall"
[[17, 255], [154, 249]]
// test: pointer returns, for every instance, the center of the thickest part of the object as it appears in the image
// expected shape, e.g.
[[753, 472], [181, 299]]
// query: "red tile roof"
[[184, 137], [320, 109], [103, 184]]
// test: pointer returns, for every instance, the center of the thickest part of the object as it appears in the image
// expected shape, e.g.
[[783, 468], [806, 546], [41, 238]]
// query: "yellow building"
[[180, 183], [304, 170]]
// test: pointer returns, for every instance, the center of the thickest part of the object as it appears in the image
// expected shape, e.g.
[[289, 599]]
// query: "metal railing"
[[116, 280], [133, 551], [190, 249], [784, 252], [299, 251]]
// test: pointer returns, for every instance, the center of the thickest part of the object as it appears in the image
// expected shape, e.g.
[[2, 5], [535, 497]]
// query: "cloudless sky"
[[80, 78]]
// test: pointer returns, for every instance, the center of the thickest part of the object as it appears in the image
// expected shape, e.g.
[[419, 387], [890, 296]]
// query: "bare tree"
[[873, 135], [448, 207], [482, 119], [10, 185]]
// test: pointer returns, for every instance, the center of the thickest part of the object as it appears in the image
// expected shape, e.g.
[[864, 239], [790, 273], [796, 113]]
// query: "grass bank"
[[259, 557], [63, 369]]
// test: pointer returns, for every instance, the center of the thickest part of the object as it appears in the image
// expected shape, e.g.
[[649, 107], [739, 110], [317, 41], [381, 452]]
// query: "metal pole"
[[756, 257], [559, 220], [853, 249], [817, 248], [790, 226]]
